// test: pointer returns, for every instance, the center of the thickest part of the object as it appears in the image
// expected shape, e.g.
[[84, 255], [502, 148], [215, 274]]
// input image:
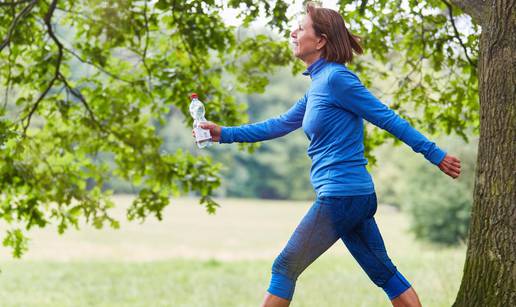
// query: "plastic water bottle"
[[202, 136]]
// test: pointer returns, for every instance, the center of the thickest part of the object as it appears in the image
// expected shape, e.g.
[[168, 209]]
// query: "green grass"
[[194, 259]]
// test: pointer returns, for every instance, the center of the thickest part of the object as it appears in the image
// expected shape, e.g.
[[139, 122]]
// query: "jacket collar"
[[315, 67]]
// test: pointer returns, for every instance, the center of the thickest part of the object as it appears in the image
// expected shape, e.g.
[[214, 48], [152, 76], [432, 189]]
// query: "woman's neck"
[[309, 61]]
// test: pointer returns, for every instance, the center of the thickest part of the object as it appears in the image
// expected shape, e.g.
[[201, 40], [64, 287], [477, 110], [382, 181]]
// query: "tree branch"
[[76, 93], [474, 8], [81, 98], [13, 25], [144, 57], [401, 82], [47, 19], [59, 76], [100, 68], [363, 5], [457, 34], [36, 104], [9, 73]]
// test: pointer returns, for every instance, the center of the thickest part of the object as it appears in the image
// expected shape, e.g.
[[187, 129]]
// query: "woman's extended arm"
[[264, 130], [351, 94]]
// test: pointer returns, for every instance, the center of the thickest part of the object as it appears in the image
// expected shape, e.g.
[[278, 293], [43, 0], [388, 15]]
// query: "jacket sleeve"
[[350, 94], [267, 129]]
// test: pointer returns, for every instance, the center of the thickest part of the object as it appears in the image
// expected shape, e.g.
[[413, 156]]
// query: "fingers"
[[454, 160], [212, 127], [451, 160], [454, 165], [454, 175], [450, 166], [207, 125], [452, 171]]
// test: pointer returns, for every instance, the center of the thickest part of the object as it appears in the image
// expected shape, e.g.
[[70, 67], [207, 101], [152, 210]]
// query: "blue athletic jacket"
[[331, 113]]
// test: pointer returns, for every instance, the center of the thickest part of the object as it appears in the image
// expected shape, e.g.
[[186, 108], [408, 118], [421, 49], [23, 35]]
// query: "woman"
[[331, 114]]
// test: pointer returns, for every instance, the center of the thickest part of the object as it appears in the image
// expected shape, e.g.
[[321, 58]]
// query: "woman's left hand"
[[450, 165]]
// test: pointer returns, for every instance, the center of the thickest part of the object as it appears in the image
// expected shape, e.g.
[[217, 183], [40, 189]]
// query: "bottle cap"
[[193, 95]]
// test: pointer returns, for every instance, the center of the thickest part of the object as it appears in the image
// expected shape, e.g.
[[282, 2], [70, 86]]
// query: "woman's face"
[[307, 45]]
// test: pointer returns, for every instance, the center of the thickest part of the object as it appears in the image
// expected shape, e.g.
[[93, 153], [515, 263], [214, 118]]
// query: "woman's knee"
[[287, 264], [284, 276]]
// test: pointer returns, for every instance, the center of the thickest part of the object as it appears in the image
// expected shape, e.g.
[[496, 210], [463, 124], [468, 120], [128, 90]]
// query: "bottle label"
[[202, 134]]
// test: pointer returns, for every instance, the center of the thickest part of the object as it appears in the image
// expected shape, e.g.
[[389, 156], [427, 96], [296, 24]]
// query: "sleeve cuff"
[[437, 156], [226, 135]]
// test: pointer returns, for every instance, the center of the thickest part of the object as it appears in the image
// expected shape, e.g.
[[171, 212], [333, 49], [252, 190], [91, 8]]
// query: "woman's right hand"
[[214, 130], [450, 165]]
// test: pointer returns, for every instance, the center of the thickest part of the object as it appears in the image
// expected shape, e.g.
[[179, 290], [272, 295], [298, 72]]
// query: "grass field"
[[195, 259]]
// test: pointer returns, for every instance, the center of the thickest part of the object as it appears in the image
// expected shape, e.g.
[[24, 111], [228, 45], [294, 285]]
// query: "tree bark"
[[490, 266], [474, 8]]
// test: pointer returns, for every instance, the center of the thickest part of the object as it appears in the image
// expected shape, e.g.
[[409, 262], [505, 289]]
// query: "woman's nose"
[[293, 34]]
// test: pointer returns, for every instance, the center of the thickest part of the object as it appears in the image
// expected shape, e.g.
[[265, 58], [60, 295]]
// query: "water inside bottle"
[[197, 111]]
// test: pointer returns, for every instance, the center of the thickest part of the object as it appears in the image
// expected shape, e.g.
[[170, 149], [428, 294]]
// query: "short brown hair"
[[340, 43]]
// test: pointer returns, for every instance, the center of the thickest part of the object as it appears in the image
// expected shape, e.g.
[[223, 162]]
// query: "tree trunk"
[[490, 266]]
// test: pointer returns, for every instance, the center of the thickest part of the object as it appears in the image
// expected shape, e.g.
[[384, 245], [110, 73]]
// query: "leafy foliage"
[[83, 79], [439, 210], [432, 66]]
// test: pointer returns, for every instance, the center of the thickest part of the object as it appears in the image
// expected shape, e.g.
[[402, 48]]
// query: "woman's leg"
[[312, 237], [408, 298], [271, 300], [365, 243], [319, 229]]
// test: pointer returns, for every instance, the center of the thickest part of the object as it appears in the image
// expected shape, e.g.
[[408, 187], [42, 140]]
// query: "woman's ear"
[[323, 39]]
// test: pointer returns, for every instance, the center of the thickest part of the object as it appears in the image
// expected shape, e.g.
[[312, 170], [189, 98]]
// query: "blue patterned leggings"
[[350, 218]]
